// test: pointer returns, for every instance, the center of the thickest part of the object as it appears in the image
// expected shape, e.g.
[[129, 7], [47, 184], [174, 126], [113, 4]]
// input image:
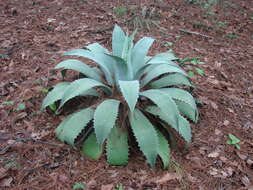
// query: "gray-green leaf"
[[154, 71], [163, 149], [117, 146], [105, 117], [130, 92], [91, 148], [79, 87], [171, 80], [146, 135], [80, 67], [55, 94], [72, 126]]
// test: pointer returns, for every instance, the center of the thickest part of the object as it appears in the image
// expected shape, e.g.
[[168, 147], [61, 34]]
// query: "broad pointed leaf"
[[160, 60], [117, 147], [139, 52], [55, 94], [118, 37], [81, 67], [185, 102], [72, 126], [104, 118], [146, 135], [79, 87], [171, 80], [96, 47], [166, 104], [183, 128], [167, 55], [91, 148], [163, 150], [100, 58], [130, 92], [154, 71]]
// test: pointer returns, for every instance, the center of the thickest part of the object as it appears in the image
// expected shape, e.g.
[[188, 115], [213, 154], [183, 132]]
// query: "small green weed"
[[44, 90], [177, 37], [233, 140], [231, 35], [120, 11], [192, 66], [221, 23], [78, 185], [8, 103], [167, 44], [119, 187], [20, 107]]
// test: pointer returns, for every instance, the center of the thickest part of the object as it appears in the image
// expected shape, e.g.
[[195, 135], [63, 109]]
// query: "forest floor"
[[35, 33]]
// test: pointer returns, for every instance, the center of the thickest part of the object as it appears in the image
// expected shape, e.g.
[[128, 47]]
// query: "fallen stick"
[[195, 33]]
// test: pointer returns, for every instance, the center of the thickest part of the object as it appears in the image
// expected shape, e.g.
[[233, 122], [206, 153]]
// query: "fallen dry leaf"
[[107, 187], [246, 181], [169, 177], [226, 123], [213, 154], [6, 182], [3, 172]]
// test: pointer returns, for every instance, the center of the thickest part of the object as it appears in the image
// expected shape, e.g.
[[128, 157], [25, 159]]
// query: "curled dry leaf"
[[107, 187], [6, 182], [213, 154], [226, 123], [246, 181], [3, 172], [168, 177]]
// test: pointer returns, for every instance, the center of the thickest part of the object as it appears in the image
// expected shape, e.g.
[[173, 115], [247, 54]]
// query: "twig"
[[37, 141], [111, 27], [196, 33]]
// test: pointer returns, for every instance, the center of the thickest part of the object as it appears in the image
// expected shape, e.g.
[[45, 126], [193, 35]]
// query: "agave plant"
[[134, 94]]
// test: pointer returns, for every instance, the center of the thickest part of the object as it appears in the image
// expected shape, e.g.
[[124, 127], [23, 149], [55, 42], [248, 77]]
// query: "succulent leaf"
[[100, 58], [146, 135], [185, 102], [130, 92], [154, 71], [163, 150], [167, 55], [105, 117], [79, 87], [171, 80], [55, 94], [165, 103], [96, 47], [160, 60], [118, 36], [72, 126], [117, 147], [81, 67], [139, 52], [183, 128], [91, 148]]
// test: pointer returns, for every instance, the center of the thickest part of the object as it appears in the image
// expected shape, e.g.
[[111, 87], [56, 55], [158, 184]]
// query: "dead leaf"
[[213, 171], [217, 132], [246, 181], [6, 182], [242, 156], [169, 177], [213, 154], [3, 172], [107, 187], [226, 123], [91, 184], [214, 105]]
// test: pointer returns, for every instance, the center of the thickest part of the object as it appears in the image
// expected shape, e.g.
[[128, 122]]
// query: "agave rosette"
[[137, 90]]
